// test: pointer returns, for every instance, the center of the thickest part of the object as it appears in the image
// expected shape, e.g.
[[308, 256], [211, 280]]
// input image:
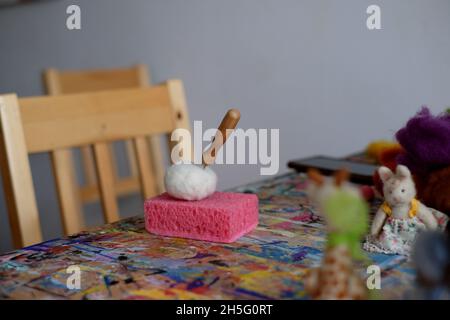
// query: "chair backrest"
[[56, 123], [80, 81]]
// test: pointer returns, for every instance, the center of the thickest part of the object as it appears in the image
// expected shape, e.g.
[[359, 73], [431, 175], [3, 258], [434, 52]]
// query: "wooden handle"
[[227, 125]]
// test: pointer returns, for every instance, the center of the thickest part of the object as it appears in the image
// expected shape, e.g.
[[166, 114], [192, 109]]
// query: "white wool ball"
[[190, 182]]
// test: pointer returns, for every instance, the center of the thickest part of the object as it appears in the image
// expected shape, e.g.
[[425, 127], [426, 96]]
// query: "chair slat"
[[154, 141], [157, 162], [105, 175], [144, 164], [126, 186], [131, 159], [179, 114], [97, 80], [87, 159], [68, 195], [95, 117], [71, 210]]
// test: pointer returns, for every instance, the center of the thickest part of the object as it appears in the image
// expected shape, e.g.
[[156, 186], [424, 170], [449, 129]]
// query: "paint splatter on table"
[[123, 261]]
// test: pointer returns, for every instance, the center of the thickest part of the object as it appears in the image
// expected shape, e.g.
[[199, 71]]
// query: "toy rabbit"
[[401, 216]]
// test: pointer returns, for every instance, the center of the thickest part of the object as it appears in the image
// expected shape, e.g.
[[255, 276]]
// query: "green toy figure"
[[346, 215]]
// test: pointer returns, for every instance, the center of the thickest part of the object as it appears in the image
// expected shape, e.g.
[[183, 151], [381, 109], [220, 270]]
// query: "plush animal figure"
[[401, 216], [346, 215]]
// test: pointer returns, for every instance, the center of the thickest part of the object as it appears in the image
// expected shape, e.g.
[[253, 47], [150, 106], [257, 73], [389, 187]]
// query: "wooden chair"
[[56, 124], [71, 81]]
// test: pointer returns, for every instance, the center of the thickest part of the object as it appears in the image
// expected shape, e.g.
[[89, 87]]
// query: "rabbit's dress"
[[397, 235]]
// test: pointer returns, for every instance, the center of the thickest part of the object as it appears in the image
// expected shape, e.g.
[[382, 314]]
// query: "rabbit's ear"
[[316, 177], [403, 171], [385, 173], [340, 176]]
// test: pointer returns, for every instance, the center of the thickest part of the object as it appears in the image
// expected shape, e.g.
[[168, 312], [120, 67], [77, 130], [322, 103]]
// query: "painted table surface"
[[123, 261]]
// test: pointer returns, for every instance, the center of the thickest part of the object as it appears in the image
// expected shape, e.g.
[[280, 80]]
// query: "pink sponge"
[[222, 217]]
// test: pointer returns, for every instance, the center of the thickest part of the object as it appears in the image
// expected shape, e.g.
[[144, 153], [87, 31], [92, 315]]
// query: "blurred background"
[[310, 68]]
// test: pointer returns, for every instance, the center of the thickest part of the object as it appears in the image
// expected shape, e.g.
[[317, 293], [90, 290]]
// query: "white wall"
[[310, 68]]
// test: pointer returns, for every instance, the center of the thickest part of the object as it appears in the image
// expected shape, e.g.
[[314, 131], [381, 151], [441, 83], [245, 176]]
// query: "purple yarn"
[[426, 140]]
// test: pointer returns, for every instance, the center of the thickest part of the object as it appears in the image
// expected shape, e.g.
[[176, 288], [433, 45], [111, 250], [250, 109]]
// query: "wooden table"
[[123, 261]]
